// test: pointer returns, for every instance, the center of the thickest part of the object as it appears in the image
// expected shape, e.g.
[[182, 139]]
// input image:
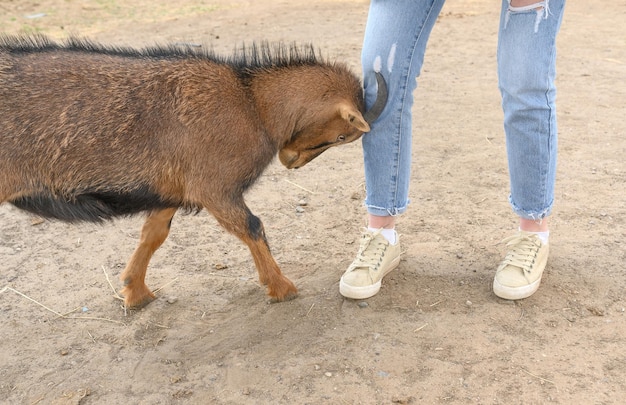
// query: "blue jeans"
[[395, 41]]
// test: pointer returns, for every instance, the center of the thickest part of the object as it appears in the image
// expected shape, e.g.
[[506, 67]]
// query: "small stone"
[[64, 352], [328, 374], [299, 209], [317, 367], [596, 311], [176, 379], [172, 300], [468, 303], [37, 221], [303, 203], [246, 391], [363, 304]]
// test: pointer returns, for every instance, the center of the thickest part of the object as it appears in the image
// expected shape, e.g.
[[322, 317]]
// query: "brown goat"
[[90, 133]]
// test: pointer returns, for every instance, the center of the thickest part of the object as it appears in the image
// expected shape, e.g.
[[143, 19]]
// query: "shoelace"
[[523, 251], [368, 252]]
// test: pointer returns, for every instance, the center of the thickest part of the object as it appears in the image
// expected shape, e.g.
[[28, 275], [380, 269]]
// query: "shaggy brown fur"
[[89, 133]]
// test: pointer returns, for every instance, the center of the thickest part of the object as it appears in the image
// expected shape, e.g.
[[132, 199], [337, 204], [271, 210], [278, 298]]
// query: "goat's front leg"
[[153, 234], [238, 220]]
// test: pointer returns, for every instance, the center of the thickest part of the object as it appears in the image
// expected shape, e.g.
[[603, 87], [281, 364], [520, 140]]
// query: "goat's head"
[[339, 124]]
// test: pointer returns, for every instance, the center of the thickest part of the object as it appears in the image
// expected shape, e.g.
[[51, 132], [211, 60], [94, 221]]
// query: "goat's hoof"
[[284, 290], [138, 297], [288, 297]]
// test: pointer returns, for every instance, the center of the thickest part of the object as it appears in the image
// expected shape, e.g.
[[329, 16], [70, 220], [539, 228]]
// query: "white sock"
[[543, 236], [390, 234]]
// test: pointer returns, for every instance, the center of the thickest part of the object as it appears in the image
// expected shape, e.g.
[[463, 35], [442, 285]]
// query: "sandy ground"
[[434, 334]]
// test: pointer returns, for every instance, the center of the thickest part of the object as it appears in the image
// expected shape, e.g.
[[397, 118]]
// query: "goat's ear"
[[353, 117]]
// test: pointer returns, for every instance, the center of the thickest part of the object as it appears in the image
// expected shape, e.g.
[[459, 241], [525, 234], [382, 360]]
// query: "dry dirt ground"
[[434, 334]]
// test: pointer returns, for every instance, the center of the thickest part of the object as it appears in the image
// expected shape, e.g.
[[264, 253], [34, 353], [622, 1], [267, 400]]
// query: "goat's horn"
[[381, 99]]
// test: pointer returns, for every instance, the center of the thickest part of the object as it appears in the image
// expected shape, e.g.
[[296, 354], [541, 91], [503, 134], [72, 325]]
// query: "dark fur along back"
[[245, 58]]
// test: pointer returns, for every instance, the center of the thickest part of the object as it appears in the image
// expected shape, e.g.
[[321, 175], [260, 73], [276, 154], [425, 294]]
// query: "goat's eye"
[[341, 138]]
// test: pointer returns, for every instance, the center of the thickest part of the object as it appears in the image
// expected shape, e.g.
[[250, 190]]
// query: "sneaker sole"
[[515, 293], [360, 293]]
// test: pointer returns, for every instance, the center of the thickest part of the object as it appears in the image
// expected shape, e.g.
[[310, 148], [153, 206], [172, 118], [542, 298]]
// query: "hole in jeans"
[[541, 8]]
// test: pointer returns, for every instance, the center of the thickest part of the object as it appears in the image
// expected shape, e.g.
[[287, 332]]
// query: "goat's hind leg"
[[153, 233]]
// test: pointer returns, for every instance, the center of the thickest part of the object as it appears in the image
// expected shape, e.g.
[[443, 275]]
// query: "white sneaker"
[[375, 259], [519, 274]]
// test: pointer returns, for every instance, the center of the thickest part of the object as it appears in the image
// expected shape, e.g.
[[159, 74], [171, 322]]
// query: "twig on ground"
[[305, 189], [115, 294], [36, 302], [60, 315], [38, 400], [536, 376], [73, 310], [421, 327], [164, 285]]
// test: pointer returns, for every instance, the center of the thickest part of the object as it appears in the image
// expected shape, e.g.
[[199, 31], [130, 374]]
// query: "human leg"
[[526, 72], [395, 40]]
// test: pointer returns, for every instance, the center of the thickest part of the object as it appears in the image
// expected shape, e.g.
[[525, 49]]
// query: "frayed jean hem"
[[532, 215], [385, 212]]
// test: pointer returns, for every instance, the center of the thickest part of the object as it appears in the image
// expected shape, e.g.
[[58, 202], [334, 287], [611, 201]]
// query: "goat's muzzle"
[[288, 158]]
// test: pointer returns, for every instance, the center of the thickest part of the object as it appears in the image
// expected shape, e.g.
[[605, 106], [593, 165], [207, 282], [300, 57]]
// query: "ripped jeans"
[[395, 41]]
